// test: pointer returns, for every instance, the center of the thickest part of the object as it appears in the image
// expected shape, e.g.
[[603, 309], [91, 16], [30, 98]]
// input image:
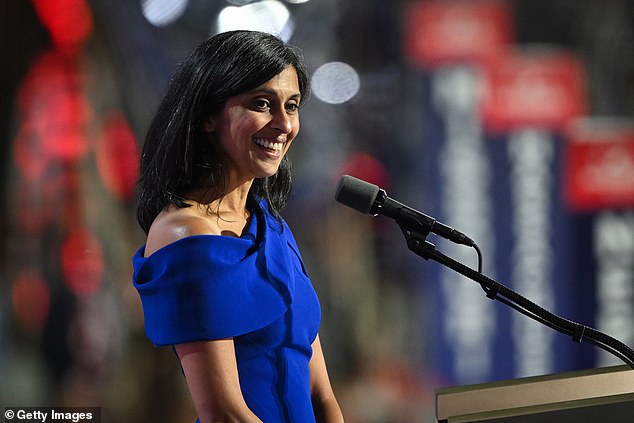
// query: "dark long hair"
[[177, 157]]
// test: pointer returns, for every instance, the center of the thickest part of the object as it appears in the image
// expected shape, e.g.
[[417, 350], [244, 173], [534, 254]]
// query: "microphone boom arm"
[[416, 233]]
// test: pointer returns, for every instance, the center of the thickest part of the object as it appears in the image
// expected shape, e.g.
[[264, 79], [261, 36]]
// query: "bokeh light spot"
[[56, 113], [118, 157], [63, 127], [335, 82], [163, 12], [69, 22], [269, 16], [366, 167]]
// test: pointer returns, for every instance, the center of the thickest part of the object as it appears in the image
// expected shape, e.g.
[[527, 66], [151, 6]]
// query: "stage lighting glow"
[[117, 155], [335, 82], [163, 12], [69, 22], [296, 1], [267, 16], [240, 2]]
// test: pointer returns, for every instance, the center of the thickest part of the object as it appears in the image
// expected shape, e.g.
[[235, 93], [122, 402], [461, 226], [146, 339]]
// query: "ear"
[[209, 124]]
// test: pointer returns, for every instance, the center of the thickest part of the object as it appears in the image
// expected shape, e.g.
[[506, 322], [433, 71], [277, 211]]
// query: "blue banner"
[[505, 192]]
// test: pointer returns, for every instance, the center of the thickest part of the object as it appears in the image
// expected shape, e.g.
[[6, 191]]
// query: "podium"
[[588, 396]]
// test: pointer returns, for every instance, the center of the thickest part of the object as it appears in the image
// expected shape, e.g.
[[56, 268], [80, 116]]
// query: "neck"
[[232, 202]]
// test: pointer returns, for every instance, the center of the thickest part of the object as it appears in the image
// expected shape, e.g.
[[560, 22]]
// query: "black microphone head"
[[357, 194]]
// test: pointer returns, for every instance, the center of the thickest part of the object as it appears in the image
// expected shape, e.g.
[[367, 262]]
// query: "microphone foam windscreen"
[[355, 193]]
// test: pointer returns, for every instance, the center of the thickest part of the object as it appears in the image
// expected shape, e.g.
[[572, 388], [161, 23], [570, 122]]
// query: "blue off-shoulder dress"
[[254, 289]]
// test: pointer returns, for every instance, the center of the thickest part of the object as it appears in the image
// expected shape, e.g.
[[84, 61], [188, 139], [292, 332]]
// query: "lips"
[[271, 146]]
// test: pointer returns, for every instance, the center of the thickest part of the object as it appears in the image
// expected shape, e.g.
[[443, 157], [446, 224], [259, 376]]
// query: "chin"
[[266, 173]]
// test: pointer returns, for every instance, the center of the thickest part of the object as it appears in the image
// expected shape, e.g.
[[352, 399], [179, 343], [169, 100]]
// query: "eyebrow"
[[272, 93]]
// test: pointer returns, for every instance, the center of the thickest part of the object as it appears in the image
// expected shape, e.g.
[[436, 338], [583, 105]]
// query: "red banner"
[[600, 165], [438, 32], [533, 88]]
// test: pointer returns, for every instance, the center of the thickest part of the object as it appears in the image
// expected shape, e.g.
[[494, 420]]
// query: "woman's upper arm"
[[323, 397], [210, 367], [212, 377]]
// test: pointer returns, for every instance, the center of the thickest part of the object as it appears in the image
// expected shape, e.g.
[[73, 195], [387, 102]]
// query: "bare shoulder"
[[173, 224]]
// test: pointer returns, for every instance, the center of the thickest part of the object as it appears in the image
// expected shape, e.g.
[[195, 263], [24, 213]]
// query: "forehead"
[[285, 83]]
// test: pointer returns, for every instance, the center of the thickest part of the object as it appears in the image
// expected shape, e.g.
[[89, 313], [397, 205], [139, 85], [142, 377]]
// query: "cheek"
[[292, 136], [296, 127], [237, 135], [239, 123]]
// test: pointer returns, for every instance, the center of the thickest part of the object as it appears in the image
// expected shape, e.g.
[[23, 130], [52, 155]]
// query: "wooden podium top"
[[534, 391]]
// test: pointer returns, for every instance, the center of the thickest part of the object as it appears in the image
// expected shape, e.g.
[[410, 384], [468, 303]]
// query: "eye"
[[261, 104], [292, 107]]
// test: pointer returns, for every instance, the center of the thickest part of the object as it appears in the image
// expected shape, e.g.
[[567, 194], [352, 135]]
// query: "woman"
[[220, 275]]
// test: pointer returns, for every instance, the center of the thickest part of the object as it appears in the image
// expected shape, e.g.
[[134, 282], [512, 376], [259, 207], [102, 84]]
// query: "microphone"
[[368, 198]]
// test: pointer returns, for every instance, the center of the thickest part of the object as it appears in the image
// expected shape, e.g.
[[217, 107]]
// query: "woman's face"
[[255, 129]]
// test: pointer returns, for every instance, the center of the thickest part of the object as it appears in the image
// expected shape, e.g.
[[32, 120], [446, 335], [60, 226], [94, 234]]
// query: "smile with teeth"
[[269, 145]]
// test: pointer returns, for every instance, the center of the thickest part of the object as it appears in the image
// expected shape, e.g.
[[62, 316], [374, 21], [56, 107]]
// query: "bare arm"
[[212, 377], [324, 402], [210, 367]]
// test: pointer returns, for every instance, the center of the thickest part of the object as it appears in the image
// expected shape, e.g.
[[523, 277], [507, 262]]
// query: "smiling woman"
[[181, 158], [255, 129], [220, 276]]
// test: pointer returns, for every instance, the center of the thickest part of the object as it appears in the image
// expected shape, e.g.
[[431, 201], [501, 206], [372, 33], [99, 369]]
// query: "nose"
[[281, 121]]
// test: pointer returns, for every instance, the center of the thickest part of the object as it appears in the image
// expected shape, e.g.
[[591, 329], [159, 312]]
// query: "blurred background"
[[512, 121]]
